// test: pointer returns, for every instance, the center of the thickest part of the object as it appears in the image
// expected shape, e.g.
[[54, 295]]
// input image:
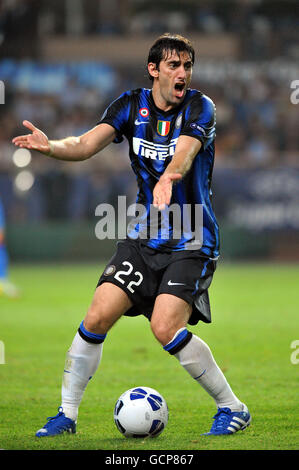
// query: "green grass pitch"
[[255, 320]]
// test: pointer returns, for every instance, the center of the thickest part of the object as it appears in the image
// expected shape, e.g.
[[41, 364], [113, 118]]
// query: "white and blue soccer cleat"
[[229, 422], [58, 424]]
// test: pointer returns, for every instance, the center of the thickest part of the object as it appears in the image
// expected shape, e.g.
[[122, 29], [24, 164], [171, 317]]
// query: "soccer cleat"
[[8, 289], [57, 425], [229, 422]]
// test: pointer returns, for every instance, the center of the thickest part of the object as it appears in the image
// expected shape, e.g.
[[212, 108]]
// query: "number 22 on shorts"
[[120, 274]]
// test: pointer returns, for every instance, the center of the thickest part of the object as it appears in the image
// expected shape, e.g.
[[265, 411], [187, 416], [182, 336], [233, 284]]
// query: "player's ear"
[[152, 70]]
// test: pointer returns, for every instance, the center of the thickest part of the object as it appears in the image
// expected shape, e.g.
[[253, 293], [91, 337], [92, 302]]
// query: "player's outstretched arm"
[[186, 150], [37, 140], [163, 190], [71, 148]]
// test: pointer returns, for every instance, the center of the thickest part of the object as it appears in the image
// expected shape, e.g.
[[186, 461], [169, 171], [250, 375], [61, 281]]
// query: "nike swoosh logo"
[[175, 283], [137, 123], [200, 375]]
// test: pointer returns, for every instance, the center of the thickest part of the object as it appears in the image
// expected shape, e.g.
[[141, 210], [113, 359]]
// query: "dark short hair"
[[169, 42]]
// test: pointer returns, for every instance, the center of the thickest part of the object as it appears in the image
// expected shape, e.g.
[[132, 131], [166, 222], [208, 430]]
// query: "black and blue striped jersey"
[[152, 135]]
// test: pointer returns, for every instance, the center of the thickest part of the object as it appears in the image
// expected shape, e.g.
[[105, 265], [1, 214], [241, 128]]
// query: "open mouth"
[[179, 88]]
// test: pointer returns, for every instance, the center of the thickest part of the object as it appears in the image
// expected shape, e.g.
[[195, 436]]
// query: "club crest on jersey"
[[163, 127]]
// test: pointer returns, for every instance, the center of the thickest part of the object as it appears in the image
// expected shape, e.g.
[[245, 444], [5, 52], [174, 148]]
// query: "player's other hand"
[[163, 190], [37, 140]]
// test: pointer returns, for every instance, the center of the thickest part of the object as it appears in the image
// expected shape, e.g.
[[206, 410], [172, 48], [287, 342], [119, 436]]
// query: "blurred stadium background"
[[63, 61]]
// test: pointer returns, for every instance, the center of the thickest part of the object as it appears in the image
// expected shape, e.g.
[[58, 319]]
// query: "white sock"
[[197, 359], [82, 361]]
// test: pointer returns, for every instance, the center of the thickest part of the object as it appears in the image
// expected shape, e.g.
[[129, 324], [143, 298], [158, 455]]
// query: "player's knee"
[[161, 331], [172, 338], [96, 321]]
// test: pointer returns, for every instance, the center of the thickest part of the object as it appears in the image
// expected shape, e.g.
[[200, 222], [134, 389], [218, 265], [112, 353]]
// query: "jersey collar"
[[171, 111]]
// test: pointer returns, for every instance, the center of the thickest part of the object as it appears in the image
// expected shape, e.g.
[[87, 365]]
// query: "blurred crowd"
[[266, 28], [257, 124]]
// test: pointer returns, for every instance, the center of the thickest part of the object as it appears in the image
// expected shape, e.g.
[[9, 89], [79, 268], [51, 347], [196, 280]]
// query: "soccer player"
[[7, 288], [157, 270]]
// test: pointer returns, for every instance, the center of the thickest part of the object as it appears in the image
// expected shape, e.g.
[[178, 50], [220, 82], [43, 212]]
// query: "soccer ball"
[[141, 412]]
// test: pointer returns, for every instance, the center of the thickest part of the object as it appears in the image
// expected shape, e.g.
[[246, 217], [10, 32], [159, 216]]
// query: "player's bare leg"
[[109, 303], [169, 315], [83, 358], [169, 321]]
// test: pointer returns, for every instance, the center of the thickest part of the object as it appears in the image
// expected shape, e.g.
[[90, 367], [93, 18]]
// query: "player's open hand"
[[163, 190], [35, 141]]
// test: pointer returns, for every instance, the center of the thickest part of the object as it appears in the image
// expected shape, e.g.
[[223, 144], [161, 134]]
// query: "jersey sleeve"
[[117, 115], [200, 120]]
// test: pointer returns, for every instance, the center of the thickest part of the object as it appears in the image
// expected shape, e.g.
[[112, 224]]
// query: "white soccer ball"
[[141, 412]]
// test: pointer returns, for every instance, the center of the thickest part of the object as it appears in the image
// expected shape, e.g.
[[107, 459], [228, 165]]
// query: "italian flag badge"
[[163, 127]]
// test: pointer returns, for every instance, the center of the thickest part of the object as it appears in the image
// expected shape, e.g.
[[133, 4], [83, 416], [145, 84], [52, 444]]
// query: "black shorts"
[[144, 273]]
